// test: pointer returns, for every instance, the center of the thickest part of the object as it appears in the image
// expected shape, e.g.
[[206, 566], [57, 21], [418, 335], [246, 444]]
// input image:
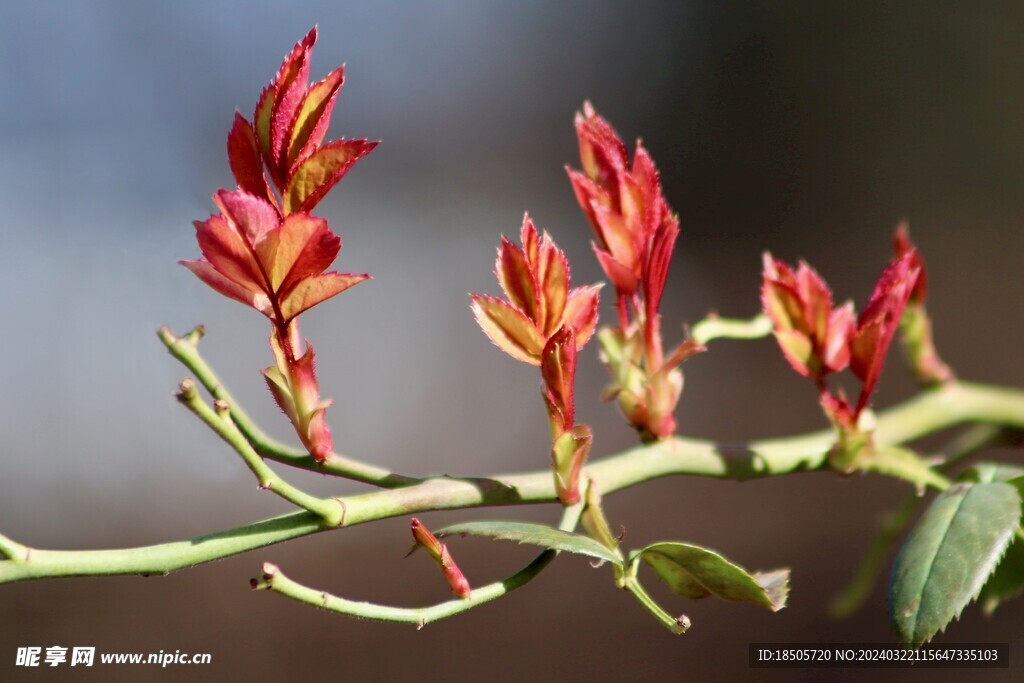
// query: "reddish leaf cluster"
[[289, 123], [624, 205], [636, 234], [439, 551], [544, 322], [818, 340], [535, 279], [814, 336], [274, 265], [269, 252]]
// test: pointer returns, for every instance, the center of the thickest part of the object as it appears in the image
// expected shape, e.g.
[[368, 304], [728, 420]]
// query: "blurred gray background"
[[806, 128]]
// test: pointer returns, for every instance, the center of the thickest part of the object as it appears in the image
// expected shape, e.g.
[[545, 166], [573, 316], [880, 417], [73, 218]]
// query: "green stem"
[[677, 625], [273, 580], [331, 510], [933, 411], [713, 327], [186, 350], [631, 583]]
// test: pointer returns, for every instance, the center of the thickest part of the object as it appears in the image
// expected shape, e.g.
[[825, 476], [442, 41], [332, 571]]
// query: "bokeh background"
[[804, 127]]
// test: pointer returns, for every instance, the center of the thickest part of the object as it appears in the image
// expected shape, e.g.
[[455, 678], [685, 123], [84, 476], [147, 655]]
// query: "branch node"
[[186, 390], [223, 409], [344, 511], [14, 552]]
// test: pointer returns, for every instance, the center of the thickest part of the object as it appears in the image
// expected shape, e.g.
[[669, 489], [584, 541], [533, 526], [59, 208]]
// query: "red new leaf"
[[314, 115], [290, 89], [879, 321], [558, 369], [245, 159], [508, 327], [313, 176]]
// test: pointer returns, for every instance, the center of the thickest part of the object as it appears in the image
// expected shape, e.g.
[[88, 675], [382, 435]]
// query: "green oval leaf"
[[949, 555], [533, 534], [696, 572]]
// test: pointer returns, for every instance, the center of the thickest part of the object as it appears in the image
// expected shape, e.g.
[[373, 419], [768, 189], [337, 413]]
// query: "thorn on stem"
[[419, 626]]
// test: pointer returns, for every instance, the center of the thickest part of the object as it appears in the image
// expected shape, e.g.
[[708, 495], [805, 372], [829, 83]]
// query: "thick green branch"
[[273, 580], [931, 412], [186, 350]]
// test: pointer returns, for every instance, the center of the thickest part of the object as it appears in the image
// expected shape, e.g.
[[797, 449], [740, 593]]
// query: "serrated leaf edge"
[[773, 605], [595, 549], [977, 591]]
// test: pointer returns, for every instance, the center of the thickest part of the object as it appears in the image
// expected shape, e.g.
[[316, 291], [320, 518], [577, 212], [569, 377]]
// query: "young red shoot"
[[536, 282], [636, 234], [439, 551], [286, 133]]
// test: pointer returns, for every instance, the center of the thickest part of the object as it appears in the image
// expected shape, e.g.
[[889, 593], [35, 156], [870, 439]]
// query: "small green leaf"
[[949, 555], [533, 534], [696, 572]]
